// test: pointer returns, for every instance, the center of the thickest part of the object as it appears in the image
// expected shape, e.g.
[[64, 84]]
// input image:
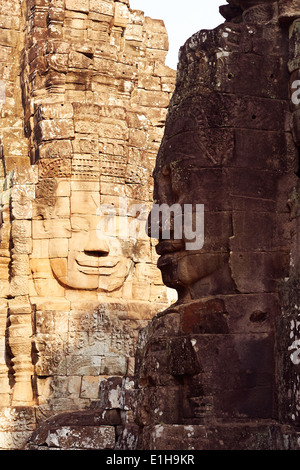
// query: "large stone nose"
[[97, 244], [164, 222]]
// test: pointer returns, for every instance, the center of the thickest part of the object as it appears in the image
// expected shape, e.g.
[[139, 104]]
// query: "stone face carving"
[[82, 253], [221, 354], [86, 96], [206, 157], [188, 170]]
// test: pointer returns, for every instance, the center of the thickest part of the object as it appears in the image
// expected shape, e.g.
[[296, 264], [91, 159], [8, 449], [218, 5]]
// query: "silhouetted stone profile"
[[215, 371]]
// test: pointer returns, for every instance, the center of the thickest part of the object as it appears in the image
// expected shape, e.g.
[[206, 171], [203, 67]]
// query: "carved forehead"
[[201, 148], [194, 134]]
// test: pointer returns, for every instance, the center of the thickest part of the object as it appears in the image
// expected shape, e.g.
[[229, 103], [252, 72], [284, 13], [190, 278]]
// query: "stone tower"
[[84, 95]]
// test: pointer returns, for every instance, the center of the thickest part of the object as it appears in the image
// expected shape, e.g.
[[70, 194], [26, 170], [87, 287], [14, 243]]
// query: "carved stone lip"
[[169, 246], [169, 251], [90, 271], [95, 264]]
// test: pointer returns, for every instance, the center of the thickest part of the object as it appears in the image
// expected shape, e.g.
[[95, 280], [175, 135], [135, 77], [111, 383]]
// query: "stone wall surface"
[[84, 96]]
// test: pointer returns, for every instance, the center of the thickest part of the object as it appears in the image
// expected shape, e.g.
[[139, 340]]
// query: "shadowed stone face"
[[225, 147], [186, 174], [228, 146]]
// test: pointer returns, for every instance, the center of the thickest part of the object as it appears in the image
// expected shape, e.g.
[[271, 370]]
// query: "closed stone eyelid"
[[79, 229]]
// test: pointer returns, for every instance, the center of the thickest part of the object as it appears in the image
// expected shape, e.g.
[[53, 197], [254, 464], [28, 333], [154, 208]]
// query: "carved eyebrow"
[[78, 228], [80, 223]]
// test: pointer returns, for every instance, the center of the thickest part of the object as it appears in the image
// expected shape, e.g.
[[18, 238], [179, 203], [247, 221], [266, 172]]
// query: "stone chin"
[[185, 270]]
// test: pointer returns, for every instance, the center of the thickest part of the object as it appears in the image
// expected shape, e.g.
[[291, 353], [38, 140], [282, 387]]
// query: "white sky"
[[182, 19]]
